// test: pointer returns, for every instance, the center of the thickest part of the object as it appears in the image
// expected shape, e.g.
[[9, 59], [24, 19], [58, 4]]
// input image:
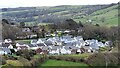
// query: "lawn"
[[63, 63], [24, 41], [84, 55], [38, 55]]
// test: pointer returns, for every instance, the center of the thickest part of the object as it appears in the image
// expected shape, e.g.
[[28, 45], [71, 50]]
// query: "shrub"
[[82, 60], [15, 63], [24, 61], [34, 62], [2, 60], [66, 58], [100, 59], [7, 66]]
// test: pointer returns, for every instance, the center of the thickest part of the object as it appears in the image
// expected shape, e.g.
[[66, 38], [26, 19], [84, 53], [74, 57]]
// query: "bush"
[[24, 61], [66, 58], [15, 63], [7, 66], [37, 59], [82, 60], [2, 60], [34, 62], [100, 59]]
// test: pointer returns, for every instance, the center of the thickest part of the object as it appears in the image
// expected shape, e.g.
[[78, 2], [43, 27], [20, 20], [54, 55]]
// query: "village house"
[[45, 50], [7, 45], [78, 38], [7, 41], [32, 46], [22, 46], [89, 42], [108, 43], [49, 43], [26, 29], [87, 49], [54, 50], [2, 51], [39, 51], [34, 41], [5, 51], [66, 45], [80, 43], [65, 50]]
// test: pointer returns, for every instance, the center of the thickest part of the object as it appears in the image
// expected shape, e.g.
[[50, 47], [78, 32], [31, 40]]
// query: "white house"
[[80, 43], [7, 41], [108, 43], [67, 31], [10, 46], [64, 50], [34, 41], [78, 38], [42, 40], [26, 30], [22, 46], [100, 44], [33, 46], [54, 50], [89, 42], [88, 49], [7, 45], [2, 51], [48, 43], [5, 51]]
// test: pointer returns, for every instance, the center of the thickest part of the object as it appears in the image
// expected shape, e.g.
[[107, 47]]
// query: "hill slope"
[[108, 16], [95, 14]]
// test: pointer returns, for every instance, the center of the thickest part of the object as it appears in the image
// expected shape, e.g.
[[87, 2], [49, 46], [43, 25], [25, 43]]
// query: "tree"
[[22, 24], [97, 25], [69, 24], [4, 21], [9, 31], [80, 24], [103, 19]]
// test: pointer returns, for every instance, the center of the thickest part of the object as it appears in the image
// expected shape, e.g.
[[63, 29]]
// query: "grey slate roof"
[[7, 50], [70, 47], [48, 43], [1, 49], [34, 41], [45, 48], [32, 45], [86, 47], [40, 44], [55, 47], [93, 45], [5, 45]]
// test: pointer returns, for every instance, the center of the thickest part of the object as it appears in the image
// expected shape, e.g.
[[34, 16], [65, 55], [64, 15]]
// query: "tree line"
[[88, 31]]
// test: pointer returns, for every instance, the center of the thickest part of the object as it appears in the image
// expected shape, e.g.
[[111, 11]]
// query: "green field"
[[62, 63], [110, 16], [23, 41], [75, 12], [85, 55]]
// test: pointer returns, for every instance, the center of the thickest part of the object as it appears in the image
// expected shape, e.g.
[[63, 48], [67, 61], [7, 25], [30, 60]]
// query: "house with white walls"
[[78, 38], [54, 50], [7, 41]]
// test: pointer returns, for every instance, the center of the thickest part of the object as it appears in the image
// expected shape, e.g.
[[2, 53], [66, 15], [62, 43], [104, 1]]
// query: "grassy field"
[[85, 55], [109, 15], [62, 63], [24, 41]]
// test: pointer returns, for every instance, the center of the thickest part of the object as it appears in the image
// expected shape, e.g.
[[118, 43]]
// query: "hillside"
[[108, 16], [95, 14]]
